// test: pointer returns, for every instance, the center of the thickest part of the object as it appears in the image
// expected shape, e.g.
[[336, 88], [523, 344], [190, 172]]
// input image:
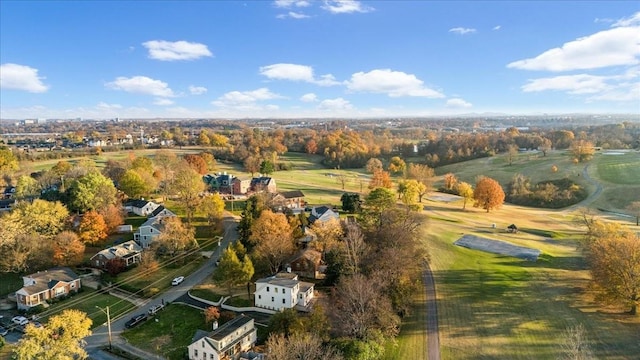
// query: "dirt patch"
[[498, 247]]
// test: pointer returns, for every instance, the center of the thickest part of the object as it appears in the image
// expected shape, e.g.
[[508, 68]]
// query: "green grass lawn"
[[619, 169], [87, 302], [170, 334], [206, 293], [412, 341], [498, 307]]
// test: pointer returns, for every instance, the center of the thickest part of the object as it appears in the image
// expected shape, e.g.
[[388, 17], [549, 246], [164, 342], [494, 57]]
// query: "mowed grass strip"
[[619, 169], [169, 332], [412, 341]]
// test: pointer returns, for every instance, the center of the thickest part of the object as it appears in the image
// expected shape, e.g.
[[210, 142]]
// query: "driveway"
[[100, 336]]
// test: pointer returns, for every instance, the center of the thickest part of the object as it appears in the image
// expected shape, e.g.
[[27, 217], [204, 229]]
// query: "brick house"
[[44, 285]]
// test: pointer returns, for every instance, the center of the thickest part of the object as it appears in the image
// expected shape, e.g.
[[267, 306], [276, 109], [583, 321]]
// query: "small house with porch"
[[45, 285], [130, 252], [228, 341]]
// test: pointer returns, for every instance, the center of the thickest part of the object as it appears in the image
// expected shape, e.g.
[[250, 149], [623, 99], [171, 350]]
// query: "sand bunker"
[[498, 247], [443, 197]]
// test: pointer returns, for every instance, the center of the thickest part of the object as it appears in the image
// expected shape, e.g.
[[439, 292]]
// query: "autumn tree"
[[166, 161], [582, 150], [382, 179], [424, 175], [465, 190], [188, 185], [488, 194], [212, 207], [397, 165], [411, 190], [68, 250], [41, 217], [175, 237], [354, 248], [197, 163], [613, 254], [252, 164], [545, 146], [203, 138], [8, 162], [373, 165], [211, 314], [231, 271], [27, 187], [327, 233], [512, 151], [450, 181], [62, 338], [113, 217], [148, 265], [132, 184], [93, 229], [271, 235]]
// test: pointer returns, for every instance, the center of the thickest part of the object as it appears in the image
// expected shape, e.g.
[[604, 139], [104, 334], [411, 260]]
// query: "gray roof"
[[292, 194], [49, 278], [123, 250], [229, 327]]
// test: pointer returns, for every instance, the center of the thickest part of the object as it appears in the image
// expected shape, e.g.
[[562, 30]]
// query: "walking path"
[[433, 338]]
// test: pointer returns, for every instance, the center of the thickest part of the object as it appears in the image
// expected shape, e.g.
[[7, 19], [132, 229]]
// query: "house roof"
[[155, 222], [263, 180], [138, 203], [322, 212], [123, 250], [292, 194], [159, 210], [280, 281], [48, 279], [229, 327], [307, 254], [305, 286]]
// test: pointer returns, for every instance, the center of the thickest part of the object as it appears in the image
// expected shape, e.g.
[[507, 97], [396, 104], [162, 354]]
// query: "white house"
[[226, 342], [283, 291], [322, 214], [141, 207]]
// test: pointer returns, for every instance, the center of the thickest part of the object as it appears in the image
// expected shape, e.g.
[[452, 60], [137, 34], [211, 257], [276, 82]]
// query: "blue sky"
[[296, 58]]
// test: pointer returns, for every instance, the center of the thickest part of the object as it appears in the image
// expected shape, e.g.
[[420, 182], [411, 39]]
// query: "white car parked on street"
[[20, 320], [177, 280]]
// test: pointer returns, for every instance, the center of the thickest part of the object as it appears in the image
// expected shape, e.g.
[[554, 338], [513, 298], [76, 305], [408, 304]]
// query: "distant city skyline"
[[317, 59]]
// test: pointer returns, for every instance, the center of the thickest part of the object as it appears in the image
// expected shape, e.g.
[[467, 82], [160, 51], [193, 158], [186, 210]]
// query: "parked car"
[[20, 320], [135, 320], [177, 280], [154, 309], [3, 331]]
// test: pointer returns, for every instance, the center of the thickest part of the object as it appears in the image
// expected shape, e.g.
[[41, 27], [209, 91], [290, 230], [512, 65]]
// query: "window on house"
[[283, 290], [203, 343], [267, 289], [283, 301], [300, 295], [204, 355], [272, 299], [195, 352], [212, 357], [73, 285], [259, 296]]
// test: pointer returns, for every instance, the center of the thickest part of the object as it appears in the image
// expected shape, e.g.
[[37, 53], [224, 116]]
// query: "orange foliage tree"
[[93, 228], [68, 250], [382, 179], [488, 194]]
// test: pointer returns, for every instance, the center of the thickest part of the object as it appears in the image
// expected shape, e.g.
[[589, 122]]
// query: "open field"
[[500, 307], [411, 344]]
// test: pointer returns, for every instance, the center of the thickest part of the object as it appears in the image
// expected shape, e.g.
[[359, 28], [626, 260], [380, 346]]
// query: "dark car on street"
[[135, 321]]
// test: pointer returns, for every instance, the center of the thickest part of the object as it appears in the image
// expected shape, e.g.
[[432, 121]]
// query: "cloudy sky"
[[311, 58]]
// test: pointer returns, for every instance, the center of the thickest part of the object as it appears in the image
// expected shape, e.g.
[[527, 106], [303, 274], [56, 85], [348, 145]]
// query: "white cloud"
[[234, 98], [630, 21], [392, 83], [335, 104], [21, 77], [197, 90], [345, 6], [163, 102], [458, 103], [141, 85], [573, 84], [295, 72], [293, 15], [497, 27], [291, 3], [310, 97], [613, 47], [178, 50], [104, 106], [462, 31]]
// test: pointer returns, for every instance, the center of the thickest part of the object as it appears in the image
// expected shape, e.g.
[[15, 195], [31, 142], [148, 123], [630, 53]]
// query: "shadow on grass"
[[573, 263]]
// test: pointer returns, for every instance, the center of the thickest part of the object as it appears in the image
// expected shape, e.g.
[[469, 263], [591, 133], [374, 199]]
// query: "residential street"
[[100, 334]]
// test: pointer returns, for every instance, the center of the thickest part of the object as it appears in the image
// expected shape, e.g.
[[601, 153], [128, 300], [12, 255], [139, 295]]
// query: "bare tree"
[[300, 346], [575, 345], [354, 248]]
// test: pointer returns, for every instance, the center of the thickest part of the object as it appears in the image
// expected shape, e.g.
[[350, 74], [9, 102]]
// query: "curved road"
[[100, 336]]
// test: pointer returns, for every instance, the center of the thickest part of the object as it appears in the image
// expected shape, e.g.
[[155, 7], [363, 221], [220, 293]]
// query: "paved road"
[[100, 336], [433, 338]]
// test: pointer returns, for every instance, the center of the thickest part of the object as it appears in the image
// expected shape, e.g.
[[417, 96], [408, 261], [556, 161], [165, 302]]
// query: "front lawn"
[[88, 301], [169, 332], [206, 293]]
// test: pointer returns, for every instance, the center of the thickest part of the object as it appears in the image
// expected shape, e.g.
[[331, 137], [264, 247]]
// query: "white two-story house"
[[283, 291], [226, 342]]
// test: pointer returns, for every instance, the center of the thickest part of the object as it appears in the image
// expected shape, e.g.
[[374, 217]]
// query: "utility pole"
[[108, 323]]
